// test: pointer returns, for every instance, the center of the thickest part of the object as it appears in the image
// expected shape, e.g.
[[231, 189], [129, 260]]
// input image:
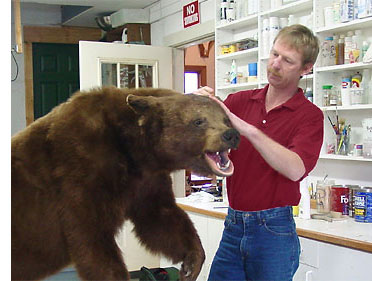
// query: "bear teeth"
[[223, 167]]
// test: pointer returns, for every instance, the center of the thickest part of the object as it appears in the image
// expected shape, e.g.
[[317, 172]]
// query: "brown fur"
[[95, 161]]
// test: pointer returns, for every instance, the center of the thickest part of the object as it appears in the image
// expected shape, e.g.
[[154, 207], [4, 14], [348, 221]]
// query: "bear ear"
[[140, 104]]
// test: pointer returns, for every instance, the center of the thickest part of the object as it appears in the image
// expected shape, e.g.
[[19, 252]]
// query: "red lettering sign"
[[191, 14]]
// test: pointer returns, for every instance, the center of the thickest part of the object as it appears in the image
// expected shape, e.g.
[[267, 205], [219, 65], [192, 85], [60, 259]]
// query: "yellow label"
[[360, 212]]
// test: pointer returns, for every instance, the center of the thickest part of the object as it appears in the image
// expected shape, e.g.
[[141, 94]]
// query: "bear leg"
[[168, 230]]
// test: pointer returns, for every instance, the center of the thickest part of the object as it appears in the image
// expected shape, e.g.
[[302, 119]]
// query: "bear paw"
[[192, 265]]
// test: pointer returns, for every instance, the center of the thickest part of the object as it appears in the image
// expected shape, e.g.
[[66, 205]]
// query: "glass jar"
[[327, 91]]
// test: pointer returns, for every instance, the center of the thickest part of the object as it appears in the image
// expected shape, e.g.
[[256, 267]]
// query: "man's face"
[[285, 67]]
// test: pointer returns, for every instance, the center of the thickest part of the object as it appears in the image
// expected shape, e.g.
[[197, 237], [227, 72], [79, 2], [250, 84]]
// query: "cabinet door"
[[201, 225]]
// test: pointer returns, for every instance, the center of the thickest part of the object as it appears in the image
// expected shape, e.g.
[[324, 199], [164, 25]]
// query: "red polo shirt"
[[297, 125]]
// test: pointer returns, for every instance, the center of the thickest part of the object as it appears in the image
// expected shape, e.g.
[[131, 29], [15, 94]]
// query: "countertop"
[[347, 233]]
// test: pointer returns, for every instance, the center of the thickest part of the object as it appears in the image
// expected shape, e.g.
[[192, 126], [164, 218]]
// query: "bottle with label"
[[348, 46], [335, 41], [365, 47], [345, 90], [365, 84], [223, 11], [341, 50], [333, 98], [355, 80], [356, 46], [326, 94], [326, 51], [233, 74], [231, 11]]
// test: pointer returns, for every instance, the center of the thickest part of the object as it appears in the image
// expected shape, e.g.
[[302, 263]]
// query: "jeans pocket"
[[280, 225], [228, 222]]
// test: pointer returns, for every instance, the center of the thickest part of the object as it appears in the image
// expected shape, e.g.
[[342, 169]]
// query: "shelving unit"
[[252, 25]]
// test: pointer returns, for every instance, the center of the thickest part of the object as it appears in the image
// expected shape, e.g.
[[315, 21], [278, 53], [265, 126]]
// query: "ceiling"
[[83, 12]]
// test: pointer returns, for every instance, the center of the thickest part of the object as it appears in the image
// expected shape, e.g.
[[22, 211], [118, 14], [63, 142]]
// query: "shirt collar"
[[293, 103]]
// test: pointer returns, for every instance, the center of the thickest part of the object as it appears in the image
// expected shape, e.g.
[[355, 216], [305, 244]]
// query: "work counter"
[[347, 232]]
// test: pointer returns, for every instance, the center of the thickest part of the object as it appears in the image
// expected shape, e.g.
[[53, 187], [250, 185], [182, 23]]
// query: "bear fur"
[[103, 157]]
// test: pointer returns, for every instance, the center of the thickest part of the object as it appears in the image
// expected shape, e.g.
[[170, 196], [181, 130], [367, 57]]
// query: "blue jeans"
[[260, 245]]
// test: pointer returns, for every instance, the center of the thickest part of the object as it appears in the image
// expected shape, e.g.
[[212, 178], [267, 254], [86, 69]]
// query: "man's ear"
[[140, 104], [306, 68]]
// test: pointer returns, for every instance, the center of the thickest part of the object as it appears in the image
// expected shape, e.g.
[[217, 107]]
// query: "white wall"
[[166, 17], [31, 14]]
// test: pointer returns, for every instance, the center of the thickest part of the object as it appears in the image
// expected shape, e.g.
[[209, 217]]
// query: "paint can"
[[352, 190], [340, 199], [363, 205]]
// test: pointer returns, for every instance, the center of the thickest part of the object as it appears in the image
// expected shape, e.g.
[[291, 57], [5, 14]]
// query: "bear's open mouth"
[[220, 163]]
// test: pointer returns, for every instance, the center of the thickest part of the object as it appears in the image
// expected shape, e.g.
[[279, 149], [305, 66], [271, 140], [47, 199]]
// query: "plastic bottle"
[[265, 37], [356, 46], [231, 11], [336, 12], [336, 43], [347, 10], [356, 80], [365, 47], [309, 94], [223, 11], [332, 52], [341, 50], [326, 51], [304, 206], [348, 46], [362, 9], [345, 90], [233, 74]]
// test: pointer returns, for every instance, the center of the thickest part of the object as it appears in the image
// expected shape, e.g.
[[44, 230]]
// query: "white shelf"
[[240, 23], [343, 67], [344, 157], [239, 54], [238, 86], [344, 27], [350, 107], [291, 8]]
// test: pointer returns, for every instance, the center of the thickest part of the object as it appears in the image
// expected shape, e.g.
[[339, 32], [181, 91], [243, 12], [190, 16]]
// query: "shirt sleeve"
[[308, 139]]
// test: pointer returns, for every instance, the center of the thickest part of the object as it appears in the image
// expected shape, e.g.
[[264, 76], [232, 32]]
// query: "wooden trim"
[[322, 237], [336, 240], [217, 215], [60, 34], [29, 84], [201, 70], [49, 34], [17, 25]]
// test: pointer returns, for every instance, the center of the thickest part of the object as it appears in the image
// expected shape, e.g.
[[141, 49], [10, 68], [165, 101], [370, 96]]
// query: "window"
[[129, 74]]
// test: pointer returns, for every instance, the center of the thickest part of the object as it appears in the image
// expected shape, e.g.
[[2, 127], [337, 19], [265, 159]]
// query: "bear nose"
[[232, 137]]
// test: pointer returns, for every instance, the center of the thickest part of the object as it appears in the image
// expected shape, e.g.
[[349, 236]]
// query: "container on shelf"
[[327, 89]]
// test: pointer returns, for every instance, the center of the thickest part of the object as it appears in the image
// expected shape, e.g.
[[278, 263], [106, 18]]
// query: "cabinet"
[[210, 232], [321, 262], [311, 14]]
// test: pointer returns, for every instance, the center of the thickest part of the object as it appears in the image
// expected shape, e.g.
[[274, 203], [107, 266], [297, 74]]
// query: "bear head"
[[191, 131]]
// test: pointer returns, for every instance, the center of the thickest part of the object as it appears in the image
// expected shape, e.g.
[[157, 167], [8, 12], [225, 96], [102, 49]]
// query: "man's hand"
[[204, 91]]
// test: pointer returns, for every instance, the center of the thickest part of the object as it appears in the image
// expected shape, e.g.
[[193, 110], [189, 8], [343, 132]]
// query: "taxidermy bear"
[[103, 157]]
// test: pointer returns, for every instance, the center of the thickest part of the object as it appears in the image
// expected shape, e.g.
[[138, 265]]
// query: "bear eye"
[[199, 122]]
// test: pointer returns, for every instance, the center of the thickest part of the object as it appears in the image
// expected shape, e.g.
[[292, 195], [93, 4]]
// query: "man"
[[282, 133]]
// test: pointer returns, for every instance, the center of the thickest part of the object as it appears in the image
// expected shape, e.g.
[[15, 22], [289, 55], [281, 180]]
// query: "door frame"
[[202, 73], [49, 34]]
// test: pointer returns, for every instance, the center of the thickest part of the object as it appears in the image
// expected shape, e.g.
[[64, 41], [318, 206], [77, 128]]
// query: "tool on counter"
[[321, 217]]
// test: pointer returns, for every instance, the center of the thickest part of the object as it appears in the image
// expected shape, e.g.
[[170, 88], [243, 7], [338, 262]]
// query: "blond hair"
[[302, 39]]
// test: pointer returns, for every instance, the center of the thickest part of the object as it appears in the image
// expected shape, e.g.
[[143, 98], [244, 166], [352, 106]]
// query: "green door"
[[56, 75]]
